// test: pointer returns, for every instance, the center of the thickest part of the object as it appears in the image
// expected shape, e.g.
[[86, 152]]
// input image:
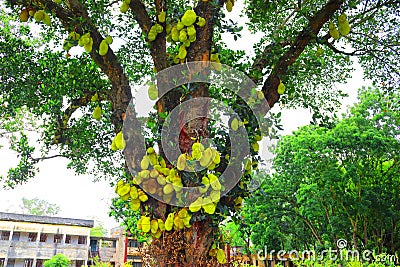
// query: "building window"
[[67, 239], [81, 240], [57, 238], [28, 262], [32, 237], [16, 236], [43, 237], [5, 235], [133, 243], [80, 263], [2, 262], [10, 262], [136, 264], [39, 262]]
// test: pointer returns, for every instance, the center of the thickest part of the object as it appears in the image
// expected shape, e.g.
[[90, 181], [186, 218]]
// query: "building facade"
[[29, 240]]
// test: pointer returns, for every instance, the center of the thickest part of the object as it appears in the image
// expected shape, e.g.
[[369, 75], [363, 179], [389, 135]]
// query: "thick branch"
[[302, 40]]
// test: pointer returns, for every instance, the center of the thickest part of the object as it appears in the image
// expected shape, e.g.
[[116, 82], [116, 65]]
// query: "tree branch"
[[302, 40]]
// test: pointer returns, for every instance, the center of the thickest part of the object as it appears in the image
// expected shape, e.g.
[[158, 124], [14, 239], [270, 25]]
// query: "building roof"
[[14, 217]]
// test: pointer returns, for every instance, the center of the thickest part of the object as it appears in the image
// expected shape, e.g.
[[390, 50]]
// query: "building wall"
[[30, 243]]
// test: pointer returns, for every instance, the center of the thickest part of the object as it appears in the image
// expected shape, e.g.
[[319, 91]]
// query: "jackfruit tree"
[[75, 66]]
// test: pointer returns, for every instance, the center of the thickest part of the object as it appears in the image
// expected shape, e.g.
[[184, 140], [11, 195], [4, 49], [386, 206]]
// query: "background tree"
[[36, 206], [331, 183], [99, 230], [295, 50], [58, 260]]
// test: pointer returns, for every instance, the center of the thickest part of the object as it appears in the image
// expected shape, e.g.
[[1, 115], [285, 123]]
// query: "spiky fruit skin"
[[24, 15], [189, 18]]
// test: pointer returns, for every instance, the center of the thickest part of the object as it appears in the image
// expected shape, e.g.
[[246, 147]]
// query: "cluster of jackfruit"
[[39, 16], [127, 191], [218, 253], [118, 142], [125, 6], [229, 5], [86, 41], [343, 27], [206, 157], [184, 32], [156, 178], [208, 201], [175, 220]]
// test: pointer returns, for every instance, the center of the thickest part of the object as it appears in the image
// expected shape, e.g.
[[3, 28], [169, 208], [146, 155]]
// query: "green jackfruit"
[[333, 32], [97, 113], [161, 16], [153, 92], [189, 17], [281, 88]]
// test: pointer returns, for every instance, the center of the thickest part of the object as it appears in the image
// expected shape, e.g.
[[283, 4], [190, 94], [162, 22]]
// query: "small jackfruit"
[[169, 222], [135, 204], [134, 192], [189, 17], [39, 15], [178, 223], [183, 213], [206, 157], [109, 39], [256, 146], [229, 6], [97, 113], [146, 226], [142, 196], [191, 30], [235, 124], [124, 7], [32, 12], [161, 225], [182, 52], [181, 164], [144, 174], [161, 16], [153, 92], [89, 46], [196, 205], [333, 32], [179, 25], [154, 226], [281, 88], [215, 196], [47, 19], [221, 256], [214, 181], [120, 141], [168, 189], [113, 145], [24, 15], [182, 36], [209, 207], [343, 25], [201, 22], [144, 163], [103, 48], [58, 1], [150, 150]]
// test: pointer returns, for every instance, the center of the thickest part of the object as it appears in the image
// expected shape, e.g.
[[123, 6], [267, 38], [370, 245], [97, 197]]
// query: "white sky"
[[79, 197]]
